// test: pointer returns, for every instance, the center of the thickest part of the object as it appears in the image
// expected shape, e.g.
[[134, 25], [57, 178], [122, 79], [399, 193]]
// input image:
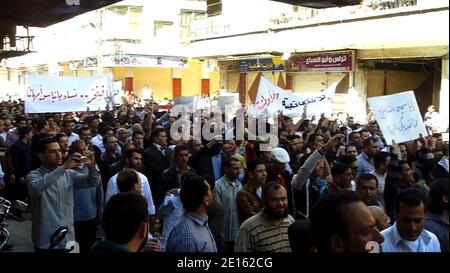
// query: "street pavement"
[[20, 235]]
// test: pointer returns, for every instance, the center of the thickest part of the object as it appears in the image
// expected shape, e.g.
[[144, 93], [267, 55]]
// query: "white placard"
[[46, 94], [398, 116], [118, 93], [271, 99], [189, 101]]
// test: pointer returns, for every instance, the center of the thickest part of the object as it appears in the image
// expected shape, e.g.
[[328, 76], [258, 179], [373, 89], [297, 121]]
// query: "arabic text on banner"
[[271, 99], [398, 116], [66, 94]]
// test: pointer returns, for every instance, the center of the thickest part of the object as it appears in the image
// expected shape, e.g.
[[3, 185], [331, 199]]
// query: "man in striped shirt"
[[267, 231]]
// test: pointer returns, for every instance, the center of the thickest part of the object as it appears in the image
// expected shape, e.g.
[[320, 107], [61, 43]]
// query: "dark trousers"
[[18, 191], [85, 234]]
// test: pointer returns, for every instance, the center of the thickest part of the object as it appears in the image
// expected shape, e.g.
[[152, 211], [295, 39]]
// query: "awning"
[[47, 12]]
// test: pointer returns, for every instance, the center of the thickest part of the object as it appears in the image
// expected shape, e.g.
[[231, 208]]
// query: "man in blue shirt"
[[408, 234], [365, 159], [436, 219], [192, 233], [51, 192]]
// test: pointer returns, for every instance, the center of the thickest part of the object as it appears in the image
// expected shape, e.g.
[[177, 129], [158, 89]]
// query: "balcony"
[[20, 46], [218, 26]]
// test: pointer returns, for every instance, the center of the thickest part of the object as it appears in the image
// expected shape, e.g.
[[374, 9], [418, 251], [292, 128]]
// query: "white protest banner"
[[66, 94], [398, 117], [271, 99]]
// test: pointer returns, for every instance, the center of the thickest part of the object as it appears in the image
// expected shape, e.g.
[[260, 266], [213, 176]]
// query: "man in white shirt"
[[172, 211], [69, 127], [132, 160], [407, 234], [380, 161]]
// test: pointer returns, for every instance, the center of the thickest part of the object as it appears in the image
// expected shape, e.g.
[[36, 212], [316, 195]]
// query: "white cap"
[[281, 155]]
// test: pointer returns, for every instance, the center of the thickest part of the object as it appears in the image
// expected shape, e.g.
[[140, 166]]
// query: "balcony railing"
[[298, 16], [20, 46]]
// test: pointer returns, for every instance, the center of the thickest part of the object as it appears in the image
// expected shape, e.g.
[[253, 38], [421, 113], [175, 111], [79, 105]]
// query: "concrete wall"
[[314, 82], [192, 79], [444, 104], [382, 83], [160, 79]]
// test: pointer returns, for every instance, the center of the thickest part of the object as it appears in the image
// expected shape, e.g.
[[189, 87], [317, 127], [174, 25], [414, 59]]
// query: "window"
[[163, 28], [187, 17], [214, 7]]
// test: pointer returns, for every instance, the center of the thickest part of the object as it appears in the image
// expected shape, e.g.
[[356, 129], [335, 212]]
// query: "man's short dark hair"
[[312, 137], [438, 189], [40, 124], [103, 128], [227, 162], [292, 137], [350, 136], [380, 158], [366, 177], [179, 148], [126, 179], [128, 153], [59, 136], [327, 220], [339, 168], [368, 141], [347, 159], [155, 133], [124, 214], [348, 146], [251, 166], [192, 192], [300, 236], [43, 143], [23, 131], [105, 139], [85, 128], [266, 187], [410, 197], [137, 132], [65, 122]]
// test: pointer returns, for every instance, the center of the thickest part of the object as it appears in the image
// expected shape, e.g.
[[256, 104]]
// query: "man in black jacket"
[[173, 177], [202, 160], [156, 158]]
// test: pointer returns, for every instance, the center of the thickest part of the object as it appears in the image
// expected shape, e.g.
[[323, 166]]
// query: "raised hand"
[[73, 161], [334, 141]]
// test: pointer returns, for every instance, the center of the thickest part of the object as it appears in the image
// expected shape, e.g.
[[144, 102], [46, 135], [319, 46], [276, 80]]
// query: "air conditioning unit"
[[320, 4]]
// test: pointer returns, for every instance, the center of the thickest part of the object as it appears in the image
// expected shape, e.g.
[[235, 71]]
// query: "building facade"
[[396, 46]]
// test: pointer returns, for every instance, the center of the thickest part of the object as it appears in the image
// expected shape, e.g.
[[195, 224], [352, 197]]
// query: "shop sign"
[[135, 60], [337, 61], [260, 65]]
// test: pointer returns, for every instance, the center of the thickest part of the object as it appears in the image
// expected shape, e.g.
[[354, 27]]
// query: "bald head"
[[381, 219]]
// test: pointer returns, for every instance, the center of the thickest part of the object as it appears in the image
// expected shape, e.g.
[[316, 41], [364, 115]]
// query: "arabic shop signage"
[[260, 65], [136, 60], [337, 61]]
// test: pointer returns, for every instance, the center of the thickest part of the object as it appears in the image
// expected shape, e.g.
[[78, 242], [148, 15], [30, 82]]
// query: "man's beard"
[[275, 215]]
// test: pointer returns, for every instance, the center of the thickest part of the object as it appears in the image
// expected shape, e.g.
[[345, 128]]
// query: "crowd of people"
[[329, 185]]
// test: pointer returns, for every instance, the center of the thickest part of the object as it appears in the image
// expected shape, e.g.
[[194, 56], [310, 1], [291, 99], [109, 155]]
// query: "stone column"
[[443, 95]]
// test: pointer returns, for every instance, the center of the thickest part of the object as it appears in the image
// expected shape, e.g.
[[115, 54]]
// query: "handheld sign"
[[398, 116]]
